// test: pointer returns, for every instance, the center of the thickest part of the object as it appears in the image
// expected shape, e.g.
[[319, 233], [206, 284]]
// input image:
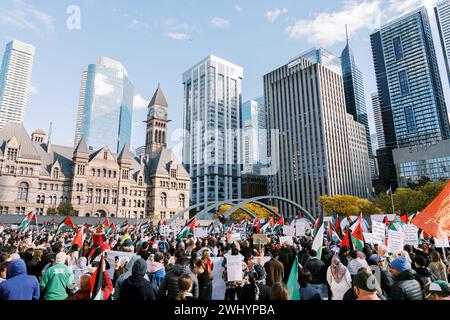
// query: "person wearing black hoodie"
[[136, 287], [424, 276]]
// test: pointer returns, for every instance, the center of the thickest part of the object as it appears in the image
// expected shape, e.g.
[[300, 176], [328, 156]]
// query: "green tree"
[[64, 209]]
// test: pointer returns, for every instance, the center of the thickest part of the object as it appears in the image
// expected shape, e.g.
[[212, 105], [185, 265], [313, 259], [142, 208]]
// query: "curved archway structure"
[[230, 211]]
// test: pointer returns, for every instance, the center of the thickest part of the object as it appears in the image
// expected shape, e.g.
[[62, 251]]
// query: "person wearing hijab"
[[124, 276], [256, 290], [79, 270], [338, 278], [136, 287]]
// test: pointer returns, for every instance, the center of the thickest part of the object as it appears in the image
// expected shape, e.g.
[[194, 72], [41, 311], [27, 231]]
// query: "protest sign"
[[411, 235], [300, 229], [289, 231], [441, 243], [241, 229], [378, 232], [368, 237], [287, 239], [164, 230], [111, 256], [232, 237], [259, 239], [234, 268], [201, 232], [395, 241]]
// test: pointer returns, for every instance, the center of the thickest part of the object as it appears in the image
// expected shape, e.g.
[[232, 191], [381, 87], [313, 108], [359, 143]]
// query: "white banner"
[[164, 230], [395, 241], [378, 232], [441, 243], [287, 239], [368, 237], [201, 232], [300, 229], [411, 236], [289, 231], [234, 268], [241, 229]]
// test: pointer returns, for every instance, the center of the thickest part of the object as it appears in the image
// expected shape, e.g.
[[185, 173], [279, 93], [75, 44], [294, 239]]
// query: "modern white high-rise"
[[80, 112], [15, 81], [212, 122], [254, 135], [442, 12], [378, 120]]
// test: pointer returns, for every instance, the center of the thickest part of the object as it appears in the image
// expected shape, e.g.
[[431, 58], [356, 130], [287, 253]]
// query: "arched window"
[[115, 174], [22, 194], [98, 172], [20, 170], [140, 180], [31, 171], [109, 173], [124, 202], [164, 200], [182, 200], [104, 173], [26, 171], [56, 173], [42, 199], [156, 136], [93, 172], [163, 139], [78, 201]]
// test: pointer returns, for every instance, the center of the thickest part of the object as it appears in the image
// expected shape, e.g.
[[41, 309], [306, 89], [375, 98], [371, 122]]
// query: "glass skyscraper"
[[442, 12], [212, 122], [106, 106], [354, 91], [412, 103], [15, 81], [322, 56], [254, 135]]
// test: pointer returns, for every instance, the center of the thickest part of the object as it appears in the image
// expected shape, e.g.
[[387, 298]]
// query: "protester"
[[184, 288], [437, 266], [365, 286], [405, 287], [136, 287], [256, 290], [58, 279], [18, 285], [307, 291], [439, 290], [84, 293], [204, 280], [338, 278], [274, 269], [357, 262], [424, 276], [156, 271], [318, 272]]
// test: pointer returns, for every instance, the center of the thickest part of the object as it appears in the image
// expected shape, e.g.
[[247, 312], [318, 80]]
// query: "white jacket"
[[339, 289]]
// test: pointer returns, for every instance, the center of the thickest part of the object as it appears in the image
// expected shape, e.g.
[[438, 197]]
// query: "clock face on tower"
[[161, 113], [151, 113]]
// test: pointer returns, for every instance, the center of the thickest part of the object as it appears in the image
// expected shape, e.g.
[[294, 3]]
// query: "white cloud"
[[238, 8], [139, 102], [179, 36], [404, 6], [218, 22], [328, 28], [23, 16], [102, 87], [137, 24], [273, 15]]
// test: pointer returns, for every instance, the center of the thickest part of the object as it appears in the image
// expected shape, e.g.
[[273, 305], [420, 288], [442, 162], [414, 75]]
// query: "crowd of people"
[[43, 265]]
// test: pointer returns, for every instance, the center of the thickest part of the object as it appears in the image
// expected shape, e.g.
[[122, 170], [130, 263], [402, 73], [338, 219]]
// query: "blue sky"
[[158, 40]]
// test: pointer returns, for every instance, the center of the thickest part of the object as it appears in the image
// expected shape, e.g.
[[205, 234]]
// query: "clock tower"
[[157, 122]]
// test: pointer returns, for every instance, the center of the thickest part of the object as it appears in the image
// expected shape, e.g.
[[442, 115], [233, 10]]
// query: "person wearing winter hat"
[[405, 286], [439, 290], [57, 279], [136, 287], [365, 286]]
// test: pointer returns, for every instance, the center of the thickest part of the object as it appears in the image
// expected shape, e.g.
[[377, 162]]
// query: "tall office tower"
[[254, 136], [324, 57], [105, 106], [355, 102], [410, 90], [318, 140], [212, 122], [442, 12], [378, 121], [15, 81]]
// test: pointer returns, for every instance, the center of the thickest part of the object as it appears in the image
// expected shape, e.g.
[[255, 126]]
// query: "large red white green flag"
[[25, 224]]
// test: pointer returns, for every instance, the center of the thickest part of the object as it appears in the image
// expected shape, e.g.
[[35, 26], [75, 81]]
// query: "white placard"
[[201, 233], [232, 237], [234, 268], [241, 229], [441, 243], [287, 239], [289, 231], [378, 232], [395, 241], [164, 230], [368, 237], [410, 234], [300, 229]]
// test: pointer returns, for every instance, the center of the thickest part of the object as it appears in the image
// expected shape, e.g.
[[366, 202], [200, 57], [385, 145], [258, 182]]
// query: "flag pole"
[[392, 199]]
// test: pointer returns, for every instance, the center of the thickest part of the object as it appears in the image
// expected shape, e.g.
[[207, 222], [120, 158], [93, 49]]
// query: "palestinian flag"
[[112, 229], [280, 222], [332, 234], [144, 226], [292, 283], [315, 227], [106, 225], [396, 224], [97, 282], [26, 222], [347, 240], [79, 238], [318, 238], [187, 229], [266, 227], [337, 226], [386, 221], [65, 225], [211, 229], [230, 229], [124, 226], [357, 234]]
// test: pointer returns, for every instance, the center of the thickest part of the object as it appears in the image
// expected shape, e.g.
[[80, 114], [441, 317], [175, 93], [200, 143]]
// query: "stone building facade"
[[38, 176]]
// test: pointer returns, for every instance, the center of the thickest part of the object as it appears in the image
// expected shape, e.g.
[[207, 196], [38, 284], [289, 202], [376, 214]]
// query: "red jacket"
[[86, 294]]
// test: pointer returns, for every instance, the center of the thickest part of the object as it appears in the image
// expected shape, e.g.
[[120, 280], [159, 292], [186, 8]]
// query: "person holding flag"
[[26, 223], [58, 279]]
